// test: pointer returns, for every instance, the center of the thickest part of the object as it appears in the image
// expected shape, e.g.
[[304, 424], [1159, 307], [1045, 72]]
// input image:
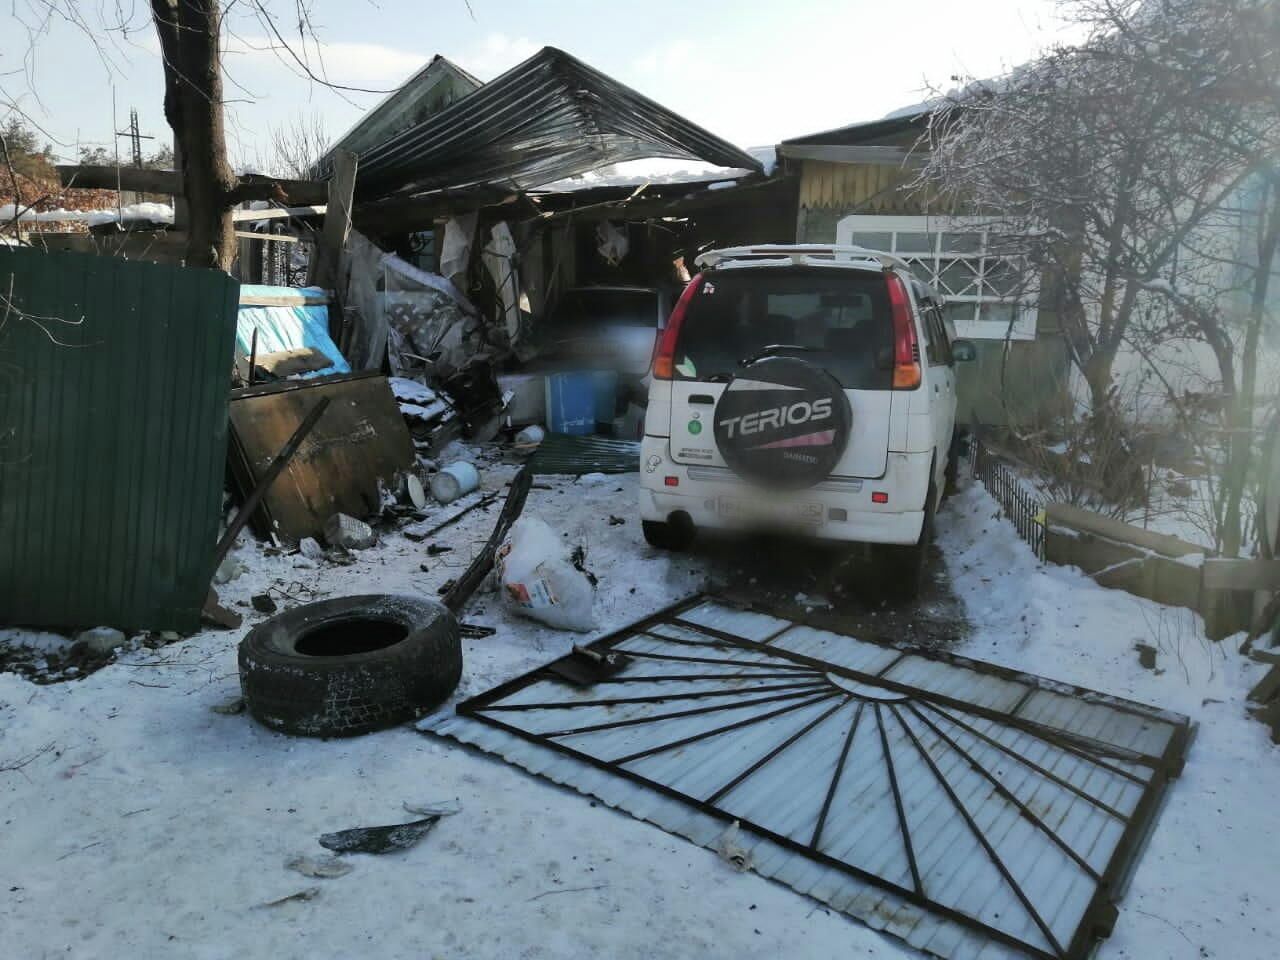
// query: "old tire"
[[352, 665], [674, 536]]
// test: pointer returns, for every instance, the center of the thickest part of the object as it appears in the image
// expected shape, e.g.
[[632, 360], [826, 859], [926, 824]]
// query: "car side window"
[[944, 341], [936, 339]]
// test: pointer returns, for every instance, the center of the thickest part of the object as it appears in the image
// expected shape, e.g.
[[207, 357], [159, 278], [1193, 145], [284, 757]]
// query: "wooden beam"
[[1086, 521], [169, 182], [277, 213], [124, 178], [1225, 574], [284, 300], [273, 237], [337, 221]]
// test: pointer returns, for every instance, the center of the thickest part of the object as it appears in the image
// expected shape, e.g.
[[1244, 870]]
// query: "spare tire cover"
[[783, 423]]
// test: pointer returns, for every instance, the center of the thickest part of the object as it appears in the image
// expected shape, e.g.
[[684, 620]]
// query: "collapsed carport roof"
[[549, 118]]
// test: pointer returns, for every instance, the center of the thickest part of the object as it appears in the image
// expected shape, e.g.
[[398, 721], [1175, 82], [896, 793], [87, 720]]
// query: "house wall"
[[1011, 382]]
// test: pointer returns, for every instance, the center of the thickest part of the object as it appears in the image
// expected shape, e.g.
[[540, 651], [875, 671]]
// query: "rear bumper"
[[847, 510]]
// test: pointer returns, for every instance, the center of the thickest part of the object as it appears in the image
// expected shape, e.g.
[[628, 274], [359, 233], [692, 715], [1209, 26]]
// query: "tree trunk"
[[190, 42], [1240, 423]]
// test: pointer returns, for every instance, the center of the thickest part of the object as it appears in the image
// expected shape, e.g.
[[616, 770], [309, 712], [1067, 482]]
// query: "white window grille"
[[981, 289]]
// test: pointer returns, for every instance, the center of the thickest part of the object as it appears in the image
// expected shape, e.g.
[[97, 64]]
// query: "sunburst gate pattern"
[[974, 811]]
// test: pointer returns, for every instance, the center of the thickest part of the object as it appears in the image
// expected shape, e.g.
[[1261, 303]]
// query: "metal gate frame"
[[1099, 917]]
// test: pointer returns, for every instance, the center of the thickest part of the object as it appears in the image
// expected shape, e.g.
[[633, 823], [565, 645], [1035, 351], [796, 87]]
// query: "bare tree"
[[1075, 161], [191, 35], [1103, 164], [297, 145], [1222, 289]]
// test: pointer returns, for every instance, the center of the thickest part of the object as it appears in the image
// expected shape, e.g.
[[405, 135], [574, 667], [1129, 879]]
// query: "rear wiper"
[[779, 348]]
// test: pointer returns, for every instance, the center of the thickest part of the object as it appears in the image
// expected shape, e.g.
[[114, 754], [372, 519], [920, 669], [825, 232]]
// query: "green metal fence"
[[114, 378]]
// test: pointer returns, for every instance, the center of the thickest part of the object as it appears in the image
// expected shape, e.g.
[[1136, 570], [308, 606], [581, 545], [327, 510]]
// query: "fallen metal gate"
[[974, 811]]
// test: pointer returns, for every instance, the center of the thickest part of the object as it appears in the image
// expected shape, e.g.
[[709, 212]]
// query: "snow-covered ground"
[[152, 826]]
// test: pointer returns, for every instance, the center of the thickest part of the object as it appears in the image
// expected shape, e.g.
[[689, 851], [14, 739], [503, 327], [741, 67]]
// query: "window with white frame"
[[951, 255]]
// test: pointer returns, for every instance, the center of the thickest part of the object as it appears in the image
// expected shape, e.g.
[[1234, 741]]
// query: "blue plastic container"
[[606, 389], [571, 403]]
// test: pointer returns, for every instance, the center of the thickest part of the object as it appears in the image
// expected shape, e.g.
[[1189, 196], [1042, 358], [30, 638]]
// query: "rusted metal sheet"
[[358, 447]]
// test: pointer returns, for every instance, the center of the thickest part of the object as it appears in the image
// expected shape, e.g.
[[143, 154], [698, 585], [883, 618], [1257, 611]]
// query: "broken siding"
[[113, 432]]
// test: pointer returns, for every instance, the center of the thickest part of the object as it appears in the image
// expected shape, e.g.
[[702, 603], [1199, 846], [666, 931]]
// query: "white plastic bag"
[[538, 580]]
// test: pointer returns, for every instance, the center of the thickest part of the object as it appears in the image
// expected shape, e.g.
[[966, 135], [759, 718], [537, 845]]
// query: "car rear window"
[[838, 318], [613, 308]]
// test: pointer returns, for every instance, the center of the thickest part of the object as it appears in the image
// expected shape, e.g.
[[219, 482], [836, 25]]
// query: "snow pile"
[[157, 212], [1199, 888], [655, 170]]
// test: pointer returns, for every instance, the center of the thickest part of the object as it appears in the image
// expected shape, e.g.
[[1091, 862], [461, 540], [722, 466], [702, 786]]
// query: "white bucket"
[[531, 434], [454, 481]]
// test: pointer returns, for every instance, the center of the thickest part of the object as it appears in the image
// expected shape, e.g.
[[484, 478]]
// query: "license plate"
[[742, 509]]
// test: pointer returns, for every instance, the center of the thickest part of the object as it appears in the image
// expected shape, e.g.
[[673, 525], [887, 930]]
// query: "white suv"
[[804, 387]]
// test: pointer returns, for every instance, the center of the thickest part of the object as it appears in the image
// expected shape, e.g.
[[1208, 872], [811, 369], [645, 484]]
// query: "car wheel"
[[902, 568], [668, 536], [352, 665], [951, 475]]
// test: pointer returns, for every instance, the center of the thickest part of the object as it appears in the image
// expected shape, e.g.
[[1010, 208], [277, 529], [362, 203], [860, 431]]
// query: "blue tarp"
[[287, 328]]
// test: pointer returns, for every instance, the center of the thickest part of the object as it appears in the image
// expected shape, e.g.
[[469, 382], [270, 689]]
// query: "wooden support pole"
[[333, 237]]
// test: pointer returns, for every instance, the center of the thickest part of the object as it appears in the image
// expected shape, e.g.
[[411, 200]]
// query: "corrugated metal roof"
[[970, 810], [438, 84], [548, 118]]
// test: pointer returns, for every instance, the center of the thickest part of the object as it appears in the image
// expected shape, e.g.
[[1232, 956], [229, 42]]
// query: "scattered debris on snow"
[[321, 868], [344, 531], [396, 836]]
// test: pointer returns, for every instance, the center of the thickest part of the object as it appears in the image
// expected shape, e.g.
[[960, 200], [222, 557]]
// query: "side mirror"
[[963, 351]]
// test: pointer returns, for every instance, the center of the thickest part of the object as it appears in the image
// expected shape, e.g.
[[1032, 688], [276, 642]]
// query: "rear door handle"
[[702, 398]]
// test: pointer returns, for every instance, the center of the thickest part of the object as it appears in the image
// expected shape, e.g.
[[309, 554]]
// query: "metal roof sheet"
[[548, 118], [970, 810]]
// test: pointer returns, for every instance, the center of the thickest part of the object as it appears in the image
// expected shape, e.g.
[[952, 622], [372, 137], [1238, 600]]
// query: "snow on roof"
[[662, 170], [157, 212]]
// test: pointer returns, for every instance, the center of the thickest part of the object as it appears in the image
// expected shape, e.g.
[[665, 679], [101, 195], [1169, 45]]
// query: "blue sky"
[[752, 72]]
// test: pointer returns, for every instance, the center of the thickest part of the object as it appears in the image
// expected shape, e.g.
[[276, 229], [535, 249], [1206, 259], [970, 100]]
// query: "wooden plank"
[[1125, 567], [107, 177], [247, 300], [277, 213], [1223, 574], [95, 177], [1085, 521], [360, 444], [272, 237], [269, 389], [337, 222]]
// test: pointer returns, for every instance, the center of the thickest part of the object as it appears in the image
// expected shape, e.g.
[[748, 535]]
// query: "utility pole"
[[136, 136]]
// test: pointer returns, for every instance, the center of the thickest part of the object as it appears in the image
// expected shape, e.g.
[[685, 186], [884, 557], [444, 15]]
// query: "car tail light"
[[664, 351], [906, 348], [671, 481], [879, 496]]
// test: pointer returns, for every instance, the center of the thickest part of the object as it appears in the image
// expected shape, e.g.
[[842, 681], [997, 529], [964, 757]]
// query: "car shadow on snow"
[[831, 585]]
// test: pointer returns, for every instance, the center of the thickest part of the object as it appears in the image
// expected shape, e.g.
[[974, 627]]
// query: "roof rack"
[[798, 254]]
